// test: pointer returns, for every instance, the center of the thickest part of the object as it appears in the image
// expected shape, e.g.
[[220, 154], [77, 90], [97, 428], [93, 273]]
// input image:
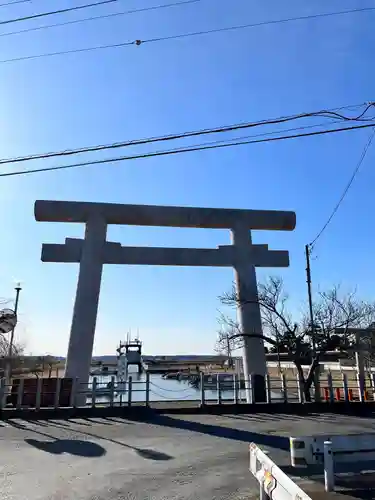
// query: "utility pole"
[[308, 281]]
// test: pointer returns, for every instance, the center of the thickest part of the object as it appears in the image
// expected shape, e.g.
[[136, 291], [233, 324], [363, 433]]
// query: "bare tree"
[[17, 353], [294, 335], [51, 362], [37, 366]]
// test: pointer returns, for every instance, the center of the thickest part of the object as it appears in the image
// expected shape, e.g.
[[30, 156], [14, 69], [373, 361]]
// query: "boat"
[[175, 376], [106, 390], [103, 370]]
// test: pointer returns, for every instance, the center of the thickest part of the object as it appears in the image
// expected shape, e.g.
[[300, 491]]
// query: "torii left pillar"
[[78, 362]]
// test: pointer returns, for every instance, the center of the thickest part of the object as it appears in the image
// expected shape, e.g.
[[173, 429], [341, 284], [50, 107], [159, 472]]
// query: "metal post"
[[20, 393], [93, 391], [218, 389], [112, 393], [72, 399], [284, 387], [57, 393], [373, 384], [268, 389], [329, 476], [345, 387], [3, 394], [202, 389], [235, 388], [251, 388], [130, 387], [38, 393], [147, 389]]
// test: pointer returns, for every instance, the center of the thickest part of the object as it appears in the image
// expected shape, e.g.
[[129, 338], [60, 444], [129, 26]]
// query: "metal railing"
[[153, 390]]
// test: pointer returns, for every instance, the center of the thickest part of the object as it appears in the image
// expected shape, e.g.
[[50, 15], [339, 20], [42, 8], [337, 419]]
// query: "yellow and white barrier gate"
[[274, 484]]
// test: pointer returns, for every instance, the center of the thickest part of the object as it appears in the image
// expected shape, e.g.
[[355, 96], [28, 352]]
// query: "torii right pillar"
[[249, 313]]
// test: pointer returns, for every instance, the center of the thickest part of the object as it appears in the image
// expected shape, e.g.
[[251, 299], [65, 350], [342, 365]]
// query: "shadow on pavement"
[[71, 446], [280, 442], [365, 494], [153, 454], [145, 453], [142, 452]]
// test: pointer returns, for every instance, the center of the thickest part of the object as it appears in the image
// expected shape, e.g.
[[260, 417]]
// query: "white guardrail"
[[274, 484], [330, 450]]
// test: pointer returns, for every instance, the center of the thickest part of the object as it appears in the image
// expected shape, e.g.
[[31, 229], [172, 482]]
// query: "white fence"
[[309, 450], [330, 450], [274, 484]]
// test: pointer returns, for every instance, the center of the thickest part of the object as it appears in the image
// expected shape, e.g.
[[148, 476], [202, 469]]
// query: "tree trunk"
[[306, 392], [311, 376], [305, 389]]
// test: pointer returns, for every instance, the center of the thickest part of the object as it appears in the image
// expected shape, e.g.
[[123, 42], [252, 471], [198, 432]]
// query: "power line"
[[180, 150], [13, 3], [104, 16], [181, 35], [347, 187], [54, 12], [333, 113]]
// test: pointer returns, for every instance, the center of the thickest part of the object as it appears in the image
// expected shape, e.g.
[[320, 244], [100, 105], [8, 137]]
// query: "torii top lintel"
[[169, 216]]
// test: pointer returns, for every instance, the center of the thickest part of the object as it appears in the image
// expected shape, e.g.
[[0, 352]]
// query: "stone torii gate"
[[93, 251]]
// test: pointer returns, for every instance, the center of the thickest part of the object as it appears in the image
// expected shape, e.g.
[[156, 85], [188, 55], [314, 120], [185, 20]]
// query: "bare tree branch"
[[331, 309]]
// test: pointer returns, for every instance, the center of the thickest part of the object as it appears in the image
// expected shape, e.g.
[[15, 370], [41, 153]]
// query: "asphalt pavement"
[[201, 457]]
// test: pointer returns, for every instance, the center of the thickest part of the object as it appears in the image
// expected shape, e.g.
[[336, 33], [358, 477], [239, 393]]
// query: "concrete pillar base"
[[259, 389]]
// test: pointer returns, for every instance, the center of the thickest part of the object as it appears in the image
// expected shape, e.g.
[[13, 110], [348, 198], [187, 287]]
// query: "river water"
[[167, 390], [160, 390]]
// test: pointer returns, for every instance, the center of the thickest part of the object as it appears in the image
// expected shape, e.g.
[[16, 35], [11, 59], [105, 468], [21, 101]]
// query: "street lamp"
[[18, 290], [10, 350]]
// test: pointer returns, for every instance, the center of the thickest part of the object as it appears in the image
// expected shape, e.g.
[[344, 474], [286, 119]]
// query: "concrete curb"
[[354, 409]]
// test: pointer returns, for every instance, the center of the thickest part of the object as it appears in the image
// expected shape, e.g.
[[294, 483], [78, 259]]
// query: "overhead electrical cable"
[[175, 37], [181, 150], [6, 4], [333, 113], [103, 16], [345, 192], [55, 12], [264, 134]]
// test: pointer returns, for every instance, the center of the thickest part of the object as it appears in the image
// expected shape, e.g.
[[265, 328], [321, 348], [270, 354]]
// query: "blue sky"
[[173, 86]]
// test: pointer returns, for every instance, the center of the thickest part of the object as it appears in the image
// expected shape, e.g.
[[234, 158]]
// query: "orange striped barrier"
[[365, 395], [326, 394], [338, 394], [350, 394]]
